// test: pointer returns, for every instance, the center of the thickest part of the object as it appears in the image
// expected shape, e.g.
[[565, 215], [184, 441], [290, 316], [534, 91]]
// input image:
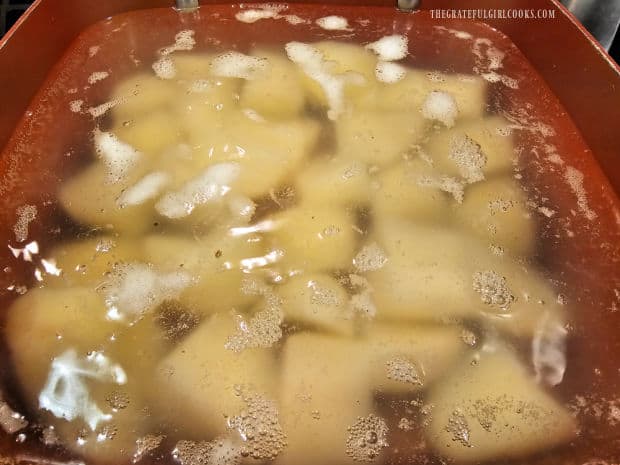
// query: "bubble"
[[467, 155], [370, 258], [440, 106], [333, 23], [146, 444], [367, 437], [493, 289], [262, 416], [390, 48], [405, 371], [26, 214], [238, 65], [459, 428], [97, 76]]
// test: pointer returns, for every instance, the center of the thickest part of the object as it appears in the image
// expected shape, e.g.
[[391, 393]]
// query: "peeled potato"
[[496, 211], [401, 192], [409, 94], [494, 410], [90, 199], [350, 62], [323, 391], [336, 181], [279, 93], [378, 138], [317, 300], [315, 238], [87, 261], [141, 95], [216, 263], [489, 136], [150, 133], [74, 320], [427, 274], [410, 358], [268, 153], [198, 382]]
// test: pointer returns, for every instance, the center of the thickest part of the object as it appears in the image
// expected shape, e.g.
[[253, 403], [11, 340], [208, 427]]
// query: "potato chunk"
[[410, 93], [409, 358], [59, 376], [268, 153], [378, 138], [336, 181], [278, 94], [141, 95], [494, 410], [217, 263], [474, 149], [91, 200], [426, 275], [150, 133], [401, 191], [86, 262], [315, 238], [197, 382], [496, 211], [352, 63], [324, 389], [317, 300]]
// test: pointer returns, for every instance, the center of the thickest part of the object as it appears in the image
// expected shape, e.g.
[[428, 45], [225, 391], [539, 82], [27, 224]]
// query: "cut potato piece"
[[409, 94], [278, 94], [427, 274], [402, 191], [409, 358], [324, 389], [268, 153], [58, 320], [199, 382], [216, 263], [70, 328], [150, 133], [91, 200], [315, 238], [337, 181], [473, 149], [494, 410], [496, 211], [317, 300], [378, 138], [86, 262], [350, 62], [141, 95], [192, 66]]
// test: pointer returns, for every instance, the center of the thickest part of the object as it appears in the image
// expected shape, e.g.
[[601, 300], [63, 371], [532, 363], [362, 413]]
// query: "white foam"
[[390, 48], [440, 106], [312, 62], [212, 185], [253, 15], [183, 41], [333, 23], [136, 288], [574, 178], [97, 76], [549, 350], [238, 65], [118, 156], [102, 109], [389, 72], [66, 393], [76, 105], [456, 33], [25, 215], [164, 68], [145, 189]]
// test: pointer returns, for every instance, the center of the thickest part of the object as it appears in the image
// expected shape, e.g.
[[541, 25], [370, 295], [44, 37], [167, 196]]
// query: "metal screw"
[[185, 5], [407, 5]]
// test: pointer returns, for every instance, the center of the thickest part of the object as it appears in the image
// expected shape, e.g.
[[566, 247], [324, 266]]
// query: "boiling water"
[[279, 234]]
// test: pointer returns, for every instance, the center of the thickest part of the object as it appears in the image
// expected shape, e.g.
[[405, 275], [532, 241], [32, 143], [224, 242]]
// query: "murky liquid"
[[300, 236]]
